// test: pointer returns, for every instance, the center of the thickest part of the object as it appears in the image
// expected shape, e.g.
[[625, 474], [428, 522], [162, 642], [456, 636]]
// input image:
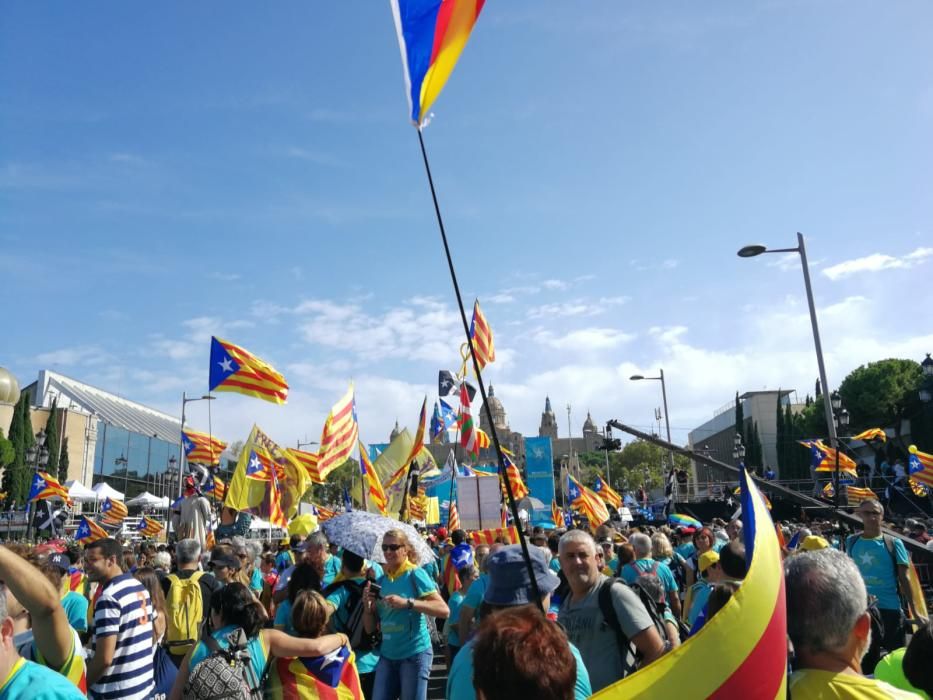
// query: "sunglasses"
[[391, 547]]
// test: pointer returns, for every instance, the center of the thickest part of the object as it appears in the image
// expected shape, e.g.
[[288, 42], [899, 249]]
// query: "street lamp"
[[667, 422], [38, 454], [181, 448], [122, 461], [301, 444], [750, 251], [926, 387], [738, 449], [172, 461]]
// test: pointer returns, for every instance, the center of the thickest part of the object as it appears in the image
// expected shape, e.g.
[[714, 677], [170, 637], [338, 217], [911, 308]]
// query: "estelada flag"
[[871, 434], [202, 448], [309, 460], [371, 486], [519, 490], [339, 436], [717, 662], [236, 369], [431, 36], [587, 503], [89, 531], [607, 494], [332, 676], [44, 485], [920, 466], [113, 511], [149, 527]]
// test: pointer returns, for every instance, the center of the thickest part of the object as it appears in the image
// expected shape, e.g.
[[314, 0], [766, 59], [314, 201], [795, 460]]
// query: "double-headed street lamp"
[[667, 420], [38, 454], [751, 251], [181, 447], [926, 385]]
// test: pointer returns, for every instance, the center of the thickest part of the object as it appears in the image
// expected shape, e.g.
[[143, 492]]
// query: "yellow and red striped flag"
[[113, 512], [217, 487], [918, 488], [828, 463], [453, 518], [587, 503], [607, 494], [308, 460], [921, 466], [339, 437], [856, 495], [871, 434], [482, 439], [202, 448], [557, 515], [519, 490], [44, 485], [373, 489], [416, 446], [490, 536], [235, 369], [323, 514], [481, 340], [149, 527], [89, 531]]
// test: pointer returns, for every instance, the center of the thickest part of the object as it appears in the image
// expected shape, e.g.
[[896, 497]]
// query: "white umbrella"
[[361, 533], [145, 499], [79, 492], [104, 490]]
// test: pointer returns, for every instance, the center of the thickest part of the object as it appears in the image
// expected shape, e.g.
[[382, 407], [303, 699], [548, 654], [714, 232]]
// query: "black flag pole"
[[513, 506]]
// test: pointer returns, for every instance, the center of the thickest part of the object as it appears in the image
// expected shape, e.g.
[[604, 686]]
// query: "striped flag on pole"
[[201, 448], [89, 531], [607, 494], [856, 495], [371, 485], [481, 340], [453, 519], [339, 438], [149, 527], [921, 466], [113, 512], [308, 460], [519, 490], [236, 369], [587, 503]]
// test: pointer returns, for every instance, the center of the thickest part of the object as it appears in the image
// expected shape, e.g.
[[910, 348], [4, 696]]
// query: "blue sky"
[[169, 171]]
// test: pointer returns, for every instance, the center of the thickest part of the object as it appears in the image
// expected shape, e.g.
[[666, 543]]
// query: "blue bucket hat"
[[509, 583]]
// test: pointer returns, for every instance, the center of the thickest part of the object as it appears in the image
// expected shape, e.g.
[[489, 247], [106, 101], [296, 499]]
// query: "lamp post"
[[300, 444], [751, 251], [841, 418], [122, 461], [926, 385], [738, 450], [667, 421], [38, 454], [181, 448], [172, 461]]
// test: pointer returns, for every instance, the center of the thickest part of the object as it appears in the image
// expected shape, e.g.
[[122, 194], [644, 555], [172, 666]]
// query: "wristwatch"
[[410, 603]]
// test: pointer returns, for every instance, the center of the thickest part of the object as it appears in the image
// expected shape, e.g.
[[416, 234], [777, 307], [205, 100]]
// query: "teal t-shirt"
[[701, 593], [404, 632], [433, 569], [474, 596], [75, 606], [663, 571], [331, 569], [283, 617], [554, 565], [874, 562], [366, 661], [460, 680], [255, 581], [257, 652], [686, 549], [30, 680], [452, 626]]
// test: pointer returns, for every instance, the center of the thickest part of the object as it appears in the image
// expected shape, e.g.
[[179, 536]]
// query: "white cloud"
[[85, 355], [569, 308], [554, 284], [615, 301], [500, 298], [584, 340], [876, 263]]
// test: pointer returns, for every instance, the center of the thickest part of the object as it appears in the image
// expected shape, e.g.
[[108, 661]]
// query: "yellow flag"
[[385, 465]]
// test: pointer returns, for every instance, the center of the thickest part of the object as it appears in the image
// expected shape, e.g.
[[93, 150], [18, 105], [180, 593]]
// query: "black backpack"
[[350, 616], [655, 612]]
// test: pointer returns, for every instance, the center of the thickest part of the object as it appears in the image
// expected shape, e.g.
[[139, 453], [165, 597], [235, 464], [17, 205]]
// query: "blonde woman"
[[405, 593]]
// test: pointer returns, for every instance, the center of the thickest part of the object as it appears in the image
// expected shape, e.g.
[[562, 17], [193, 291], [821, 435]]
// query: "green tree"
[[7, 453], [13, 474], [753, 451], [739, 417], [24, 479], [63, 462], [332, 492], [52, 438], [882, 394]]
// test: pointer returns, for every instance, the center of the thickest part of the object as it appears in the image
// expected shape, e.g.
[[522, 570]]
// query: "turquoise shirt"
[[365, 661], [331, 569], [663, 571], [460, 681], [453, 629], [433, 569], [255, 582], [257, 652], [28, 679], [474, 596], [701, 593], [75, 606], [404, 632], [686, 550], [554, 565], [283, 617], [874, 563]]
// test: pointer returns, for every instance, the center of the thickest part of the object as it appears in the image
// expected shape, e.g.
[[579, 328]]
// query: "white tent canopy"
[[146, 500], [79, 492], [104, 490]]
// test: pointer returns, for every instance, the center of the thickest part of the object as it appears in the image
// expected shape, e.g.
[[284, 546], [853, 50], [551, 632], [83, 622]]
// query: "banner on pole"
[[478, 502], [539, 474]]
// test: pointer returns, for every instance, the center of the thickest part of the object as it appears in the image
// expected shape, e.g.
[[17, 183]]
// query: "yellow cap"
[[811, 543], [707, 559]]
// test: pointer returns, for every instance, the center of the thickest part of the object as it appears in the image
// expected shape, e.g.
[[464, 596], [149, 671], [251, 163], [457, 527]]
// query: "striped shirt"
[[124, 610]]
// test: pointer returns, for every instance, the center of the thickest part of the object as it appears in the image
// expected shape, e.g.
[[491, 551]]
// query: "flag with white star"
[[236, 369], [332, 675]]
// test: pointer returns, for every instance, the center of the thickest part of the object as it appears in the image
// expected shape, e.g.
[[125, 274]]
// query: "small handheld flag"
[[920, 466], [89, 531], [431, 36], [235, 369], [113, 512]]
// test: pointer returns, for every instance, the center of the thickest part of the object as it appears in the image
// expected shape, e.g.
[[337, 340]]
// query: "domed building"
[[9, 395]]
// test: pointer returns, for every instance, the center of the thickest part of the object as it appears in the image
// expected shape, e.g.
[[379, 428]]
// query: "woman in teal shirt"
[[407, 594]]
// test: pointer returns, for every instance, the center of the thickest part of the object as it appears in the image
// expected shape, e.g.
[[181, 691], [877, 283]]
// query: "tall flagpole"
[[513, 506]]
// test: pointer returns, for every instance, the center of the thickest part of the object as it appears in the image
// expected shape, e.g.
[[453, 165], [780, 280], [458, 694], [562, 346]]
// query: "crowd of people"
[[306, 619]]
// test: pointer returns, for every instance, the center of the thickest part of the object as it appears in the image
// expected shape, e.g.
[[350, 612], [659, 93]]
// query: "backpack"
[[888, 545], [184, 608], [226, 674], [678, 568], [350, 616], [604, 598]]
